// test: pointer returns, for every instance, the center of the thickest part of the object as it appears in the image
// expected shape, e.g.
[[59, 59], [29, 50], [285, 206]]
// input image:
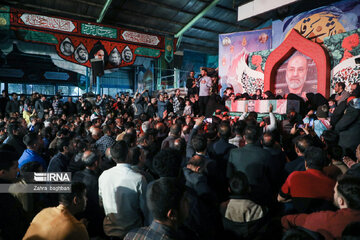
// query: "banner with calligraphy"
[[319, 23], [79, 41]]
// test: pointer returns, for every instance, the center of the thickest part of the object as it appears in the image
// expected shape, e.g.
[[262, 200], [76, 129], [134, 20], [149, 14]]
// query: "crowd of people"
[[179, 167]]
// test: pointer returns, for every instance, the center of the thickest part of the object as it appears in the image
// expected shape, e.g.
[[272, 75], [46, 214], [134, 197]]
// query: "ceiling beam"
[[103, 11], [196, 18]]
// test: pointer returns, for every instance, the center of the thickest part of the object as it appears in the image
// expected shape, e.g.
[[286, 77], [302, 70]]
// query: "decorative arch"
[[294, 42]]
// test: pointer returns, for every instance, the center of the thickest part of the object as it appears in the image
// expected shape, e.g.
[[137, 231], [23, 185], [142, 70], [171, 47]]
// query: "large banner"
[[319, 23], [234, 49], [79, 41]]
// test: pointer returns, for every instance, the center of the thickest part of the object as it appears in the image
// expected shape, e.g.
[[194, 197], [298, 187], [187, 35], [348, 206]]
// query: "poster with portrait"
[[81, 54], [67, 47], [115, 57], [99, 52], [233, 52], [298, 75], [127, 55], [319, 23]]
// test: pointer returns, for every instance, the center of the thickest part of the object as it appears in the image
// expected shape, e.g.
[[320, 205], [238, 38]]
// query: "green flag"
[[169, 48]]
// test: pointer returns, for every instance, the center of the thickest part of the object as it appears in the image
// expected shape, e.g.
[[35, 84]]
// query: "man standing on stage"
[[204, 92], [191, 84]]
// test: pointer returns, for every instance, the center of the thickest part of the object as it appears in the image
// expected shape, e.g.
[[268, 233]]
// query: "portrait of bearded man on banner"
[[99, 52], [297, 75], [114, 57], [81, 54]]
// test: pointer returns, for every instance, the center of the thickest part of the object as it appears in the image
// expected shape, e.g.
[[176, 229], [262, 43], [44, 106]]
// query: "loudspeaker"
[[97, 66]]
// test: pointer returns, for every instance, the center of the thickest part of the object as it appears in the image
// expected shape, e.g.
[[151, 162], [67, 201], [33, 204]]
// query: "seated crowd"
[[155, 168]]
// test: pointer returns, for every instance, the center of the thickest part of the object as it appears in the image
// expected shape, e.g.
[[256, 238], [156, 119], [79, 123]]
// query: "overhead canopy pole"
[[103, 11], [197, 17], [178, 42]]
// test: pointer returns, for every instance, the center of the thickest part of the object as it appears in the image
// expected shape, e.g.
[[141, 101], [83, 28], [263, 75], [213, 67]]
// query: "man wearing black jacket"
[[191, 84], [14, 220]]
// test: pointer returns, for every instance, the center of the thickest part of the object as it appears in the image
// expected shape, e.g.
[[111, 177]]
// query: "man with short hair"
[[150, 109], [220, 150], [59, 222], [328, 223], [238, 129], [39, 106], [89, 176], [255, 163], [168, 205], [4, 98], [175, 132], [14, 220], [161, 105], [70, 107], [191, 84], [309, 190], [122, 193], [60, 161], [105, 141], [301, 144], [139, 103], [341, 94], [34, 144], [176, 102], [13, 105], [278, 158], [204, 92], [239, 211], [15, 137]]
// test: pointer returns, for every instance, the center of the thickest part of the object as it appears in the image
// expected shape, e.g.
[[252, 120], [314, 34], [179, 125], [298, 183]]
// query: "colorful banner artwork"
[[78, 42], [344, 49], [319, 23], [81, 50], [234, 49], [20, 18]]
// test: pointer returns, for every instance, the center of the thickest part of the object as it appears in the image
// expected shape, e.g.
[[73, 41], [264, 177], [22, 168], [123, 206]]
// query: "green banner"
[[148, 52], [169, 48], [4, 17], [95, 30], [36, 36]]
